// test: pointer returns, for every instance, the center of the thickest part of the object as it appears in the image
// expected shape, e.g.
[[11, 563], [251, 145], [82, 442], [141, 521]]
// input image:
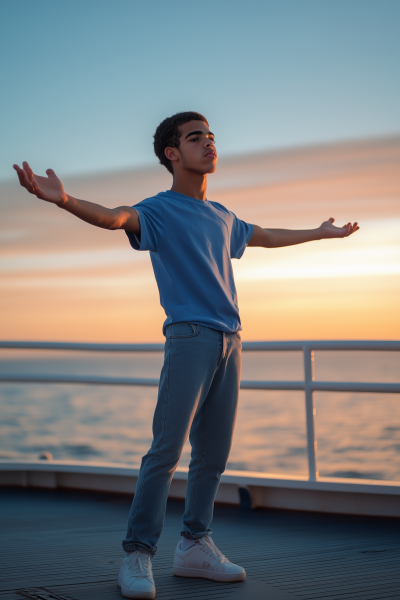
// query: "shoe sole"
[[183, 572], [133, 594]]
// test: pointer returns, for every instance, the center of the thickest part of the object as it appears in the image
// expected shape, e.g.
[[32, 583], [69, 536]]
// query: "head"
[[185, 141]]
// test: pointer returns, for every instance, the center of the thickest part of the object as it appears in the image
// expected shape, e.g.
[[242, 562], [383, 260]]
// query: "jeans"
[[198, 395]]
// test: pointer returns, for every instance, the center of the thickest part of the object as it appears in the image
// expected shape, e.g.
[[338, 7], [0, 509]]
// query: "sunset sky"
[[86, 82], [304, 100], [62, 279]]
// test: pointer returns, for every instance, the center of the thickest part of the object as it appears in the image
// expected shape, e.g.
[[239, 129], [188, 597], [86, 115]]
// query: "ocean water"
[[358, 434]]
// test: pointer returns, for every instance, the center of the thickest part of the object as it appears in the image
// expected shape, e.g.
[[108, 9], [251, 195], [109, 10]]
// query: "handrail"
[[316, 386], [308, 385], [294, 346]]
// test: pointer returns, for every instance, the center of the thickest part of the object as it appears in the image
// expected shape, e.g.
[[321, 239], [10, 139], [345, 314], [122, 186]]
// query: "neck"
[[190, 184]]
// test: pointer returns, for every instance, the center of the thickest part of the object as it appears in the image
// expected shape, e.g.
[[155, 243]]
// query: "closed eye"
[[196, 139]]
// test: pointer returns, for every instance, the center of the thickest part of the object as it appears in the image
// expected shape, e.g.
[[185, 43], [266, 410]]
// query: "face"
[[196, 150]]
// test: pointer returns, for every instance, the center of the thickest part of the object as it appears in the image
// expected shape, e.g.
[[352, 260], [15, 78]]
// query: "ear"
[[171, 154]]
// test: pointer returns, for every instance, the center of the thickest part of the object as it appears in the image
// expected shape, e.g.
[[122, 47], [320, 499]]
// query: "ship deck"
[[65, 544]]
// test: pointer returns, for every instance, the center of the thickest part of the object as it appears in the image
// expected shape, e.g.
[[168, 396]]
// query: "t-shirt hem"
[[216, 326]]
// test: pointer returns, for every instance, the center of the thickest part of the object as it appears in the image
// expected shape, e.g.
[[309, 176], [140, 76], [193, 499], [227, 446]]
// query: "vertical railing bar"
[[308, 358], [308, 355]]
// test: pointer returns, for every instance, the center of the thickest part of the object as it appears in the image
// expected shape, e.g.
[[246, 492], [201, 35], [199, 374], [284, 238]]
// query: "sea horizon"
[[358, 434], [63, 280]]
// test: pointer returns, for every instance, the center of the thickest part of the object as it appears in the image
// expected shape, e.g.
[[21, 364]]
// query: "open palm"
[[47, 188], [331, 231]]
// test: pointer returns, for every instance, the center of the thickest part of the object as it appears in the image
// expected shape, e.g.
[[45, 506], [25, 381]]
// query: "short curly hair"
[[167, 134]]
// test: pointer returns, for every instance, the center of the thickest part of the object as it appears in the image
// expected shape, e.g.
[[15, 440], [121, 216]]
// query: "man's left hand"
[[328, 230]]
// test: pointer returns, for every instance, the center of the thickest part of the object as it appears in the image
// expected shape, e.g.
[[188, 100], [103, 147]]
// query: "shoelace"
[[213, 551], [139, 564]]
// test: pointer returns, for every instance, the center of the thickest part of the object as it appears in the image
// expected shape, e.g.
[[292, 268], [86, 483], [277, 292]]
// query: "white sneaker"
[[203, 559], [135, 576]]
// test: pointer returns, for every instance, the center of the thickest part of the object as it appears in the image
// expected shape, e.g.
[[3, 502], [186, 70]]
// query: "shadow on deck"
[[68, 544]]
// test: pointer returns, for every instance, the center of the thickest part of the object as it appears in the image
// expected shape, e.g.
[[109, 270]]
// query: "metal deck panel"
[[70, 544]]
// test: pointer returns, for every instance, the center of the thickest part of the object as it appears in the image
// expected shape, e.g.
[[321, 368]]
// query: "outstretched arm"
[[51, 190], [277, 238]]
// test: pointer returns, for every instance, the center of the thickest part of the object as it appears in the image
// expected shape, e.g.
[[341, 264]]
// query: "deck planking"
[[67, 544]]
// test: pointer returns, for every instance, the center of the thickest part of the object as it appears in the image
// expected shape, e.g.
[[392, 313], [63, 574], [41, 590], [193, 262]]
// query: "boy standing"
[[191, 242]]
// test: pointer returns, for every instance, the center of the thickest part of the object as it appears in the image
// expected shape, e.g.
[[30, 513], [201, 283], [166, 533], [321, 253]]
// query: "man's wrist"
[[318, 234], [63, 201]]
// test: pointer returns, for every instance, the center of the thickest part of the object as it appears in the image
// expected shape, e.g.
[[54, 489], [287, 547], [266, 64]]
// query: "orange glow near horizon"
[[65, 280]]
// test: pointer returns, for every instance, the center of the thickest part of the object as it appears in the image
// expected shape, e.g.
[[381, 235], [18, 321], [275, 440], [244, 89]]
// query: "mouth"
[[210, 154]]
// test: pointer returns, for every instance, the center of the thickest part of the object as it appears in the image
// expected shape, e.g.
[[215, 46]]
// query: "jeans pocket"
[[177, 331]]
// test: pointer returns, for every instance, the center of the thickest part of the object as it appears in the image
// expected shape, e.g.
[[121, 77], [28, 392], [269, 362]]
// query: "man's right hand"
[[47, 188], [51, 189]]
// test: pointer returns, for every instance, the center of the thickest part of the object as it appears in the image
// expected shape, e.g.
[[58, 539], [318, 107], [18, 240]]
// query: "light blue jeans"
[[198, 393]]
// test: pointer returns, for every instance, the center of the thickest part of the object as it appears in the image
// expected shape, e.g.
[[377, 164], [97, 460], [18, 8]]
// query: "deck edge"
[[266, 490]]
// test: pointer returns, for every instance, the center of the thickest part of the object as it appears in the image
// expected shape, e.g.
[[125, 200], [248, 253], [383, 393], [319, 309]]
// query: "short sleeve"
[[151, 218], [241, 234]]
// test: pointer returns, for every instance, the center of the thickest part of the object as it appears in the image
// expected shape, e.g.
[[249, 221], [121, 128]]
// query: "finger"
[[347, 229], [23, 179], [50, 173], [21, 175], [331, 220], [353, 227], [32, 179], [28, 170]]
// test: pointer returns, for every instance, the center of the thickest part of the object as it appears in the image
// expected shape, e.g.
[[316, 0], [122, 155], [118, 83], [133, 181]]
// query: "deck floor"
[[66, 544]]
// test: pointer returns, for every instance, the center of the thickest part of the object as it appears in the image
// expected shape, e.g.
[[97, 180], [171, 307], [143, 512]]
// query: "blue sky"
[[85, 82]]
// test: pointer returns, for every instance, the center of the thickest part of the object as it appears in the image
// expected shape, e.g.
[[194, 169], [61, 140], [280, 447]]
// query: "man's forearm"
[[277, 238], [52, 190], [290, 237], [95, 214]]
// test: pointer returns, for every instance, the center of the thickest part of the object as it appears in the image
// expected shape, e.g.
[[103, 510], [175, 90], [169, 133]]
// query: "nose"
[[208, 143]]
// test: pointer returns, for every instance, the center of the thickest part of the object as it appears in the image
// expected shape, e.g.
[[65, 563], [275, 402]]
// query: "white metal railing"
[[308, 385]]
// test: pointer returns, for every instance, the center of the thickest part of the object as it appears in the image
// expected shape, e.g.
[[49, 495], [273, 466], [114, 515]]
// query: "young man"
[[191, 242]]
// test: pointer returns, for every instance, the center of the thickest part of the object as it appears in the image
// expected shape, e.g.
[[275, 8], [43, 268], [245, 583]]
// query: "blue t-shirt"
[[191, 243]]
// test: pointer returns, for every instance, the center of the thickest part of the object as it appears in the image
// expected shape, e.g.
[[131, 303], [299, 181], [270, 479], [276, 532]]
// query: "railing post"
[[310, 413]]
